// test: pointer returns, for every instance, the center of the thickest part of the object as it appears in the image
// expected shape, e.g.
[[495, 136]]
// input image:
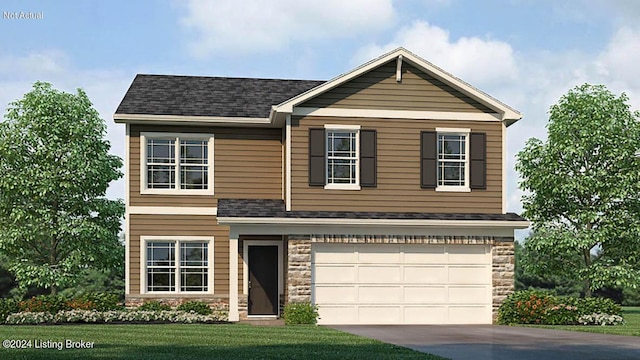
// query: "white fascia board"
[[376, 222], [396, 114], [172, 210], [173, 119], [507, 113]]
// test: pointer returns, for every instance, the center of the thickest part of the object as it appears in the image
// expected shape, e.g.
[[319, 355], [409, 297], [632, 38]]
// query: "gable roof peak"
[[509, 115]]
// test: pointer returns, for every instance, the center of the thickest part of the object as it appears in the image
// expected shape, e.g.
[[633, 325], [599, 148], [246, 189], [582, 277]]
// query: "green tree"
[[582, 188], [558, 283], [54, 218]]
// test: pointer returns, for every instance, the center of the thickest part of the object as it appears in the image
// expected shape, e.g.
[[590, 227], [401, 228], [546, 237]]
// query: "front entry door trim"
[[245, 267]]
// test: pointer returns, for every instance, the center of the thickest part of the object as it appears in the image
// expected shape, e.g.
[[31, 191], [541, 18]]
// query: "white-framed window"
[[343, 157], [176, 264], [453, 159], [176, 163]]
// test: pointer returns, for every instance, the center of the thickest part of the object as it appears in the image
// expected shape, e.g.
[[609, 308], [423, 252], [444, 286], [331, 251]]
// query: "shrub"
[[524, 307], [300, 313], [154, 305], [103, 301], [80, 304], [7, 307], [44, 303], [92, 316], [601, 319], [535, 307], [197, 307]]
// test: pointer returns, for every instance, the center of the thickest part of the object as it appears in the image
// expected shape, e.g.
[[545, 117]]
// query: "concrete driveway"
[[491, 342]]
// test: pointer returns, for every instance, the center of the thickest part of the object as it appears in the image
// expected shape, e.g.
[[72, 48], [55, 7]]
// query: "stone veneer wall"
[[299, 256], [299, 268], [503, 254]]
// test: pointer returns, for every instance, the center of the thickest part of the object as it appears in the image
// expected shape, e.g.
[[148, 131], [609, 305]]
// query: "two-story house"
[[378, 195]]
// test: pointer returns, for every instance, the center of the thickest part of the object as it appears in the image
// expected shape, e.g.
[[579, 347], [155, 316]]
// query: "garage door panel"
[[425, 255], [335, 294], [469, 315], [425, 315], [378, 254], [335, 274], [469, 294], [378, 274], [337, 314], [469, 274], [379, 294], [415, 274], [469, 254], [379, 314], [425, 294], [335, 254]]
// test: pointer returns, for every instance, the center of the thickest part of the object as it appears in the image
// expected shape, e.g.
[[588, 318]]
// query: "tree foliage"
[[583, 184], [54, 218], [557, 283]]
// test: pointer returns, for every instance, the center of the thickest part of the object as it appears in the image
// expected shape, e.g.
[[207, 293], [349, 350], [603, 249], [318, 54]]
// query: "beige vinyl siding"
[[181, 225], [398, 170], [379, 90], [247, 163]]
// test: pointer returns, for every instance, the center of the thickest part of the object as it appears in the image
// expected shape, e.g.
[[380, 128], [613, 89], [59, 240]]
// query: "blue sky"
[[526, 53]]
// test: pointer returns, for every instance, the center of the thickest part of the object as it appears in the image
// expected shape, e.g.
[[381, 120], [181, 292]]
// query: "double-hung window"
[[177, 264], [176, 163], [342, 148], [453, 161]]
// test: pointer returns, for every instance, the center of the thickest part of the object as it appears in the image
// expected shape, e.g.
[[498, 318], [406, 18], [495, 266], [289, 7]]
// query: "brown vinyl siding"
[[180, 225], [398, 162], [247, 163], [379, 90]]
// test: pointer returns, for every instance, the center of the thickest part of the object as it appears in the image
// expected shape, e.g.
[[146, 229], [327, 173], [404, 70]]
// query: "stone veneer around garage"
[[299, 259]]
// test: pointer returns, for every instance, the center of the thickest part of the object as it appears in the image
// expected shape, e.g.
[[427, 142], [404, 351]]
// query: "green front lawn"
[[191, 341], [631, 326]]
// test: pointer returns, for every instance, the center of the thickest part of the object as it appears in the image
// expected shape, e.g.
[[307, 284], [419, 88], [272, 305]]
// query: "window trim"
[[144, 240], [342, 127], [177, 136], [454, 131]]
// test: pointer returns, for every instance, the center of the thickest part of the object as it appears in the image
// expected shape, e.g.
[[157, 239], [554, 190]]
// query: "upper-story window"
[[342, 157], [176, 163], [453, 161]]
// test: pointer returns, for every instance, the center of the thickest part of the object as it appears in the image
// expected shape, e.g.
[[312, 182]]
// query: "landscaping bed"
[[104, 308]]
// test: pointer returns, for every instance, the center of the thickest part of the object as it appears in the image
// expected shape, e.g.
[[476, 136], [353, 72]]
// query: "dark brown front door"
[[263, 280]]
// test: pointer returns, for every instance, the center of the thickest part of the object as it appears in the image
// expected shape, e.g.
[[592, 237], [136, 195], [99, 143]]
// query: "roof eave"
[[121, 118], [513, 224]]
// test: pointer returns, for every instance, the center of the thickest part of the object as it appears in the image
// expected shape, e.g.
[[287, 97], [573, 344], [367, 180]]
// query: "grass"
[[198, 341], [630, 328]]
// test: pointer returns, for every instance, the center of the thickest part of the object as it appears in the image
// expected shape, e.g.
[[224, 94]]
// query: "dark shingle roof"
[[208, 96], [276, 209]]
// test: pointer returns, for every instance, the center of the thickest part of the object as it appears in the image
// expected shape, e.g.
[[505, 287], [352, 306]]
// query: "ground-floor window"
[[177, 265]]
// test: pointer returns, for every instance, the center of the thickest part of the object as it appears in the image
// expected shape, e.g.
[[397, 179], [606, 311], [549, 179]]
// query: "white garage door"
[[402, 284]]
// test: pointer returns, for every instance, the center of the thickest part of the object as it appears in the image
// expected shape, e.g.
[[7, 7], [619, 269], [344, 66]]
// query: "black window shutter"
[[478, 164], [368, 158], [428, 159], [317, 154]]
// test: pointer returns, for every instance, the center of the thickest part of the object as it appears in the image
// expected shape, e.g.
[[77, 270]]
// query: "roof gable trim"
[[508, 114]]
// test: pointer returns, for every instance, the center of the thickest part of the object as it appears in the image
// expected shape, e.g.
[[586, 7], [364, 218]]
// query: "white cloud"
[[105, 89], [250, 26], [476, 60]]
